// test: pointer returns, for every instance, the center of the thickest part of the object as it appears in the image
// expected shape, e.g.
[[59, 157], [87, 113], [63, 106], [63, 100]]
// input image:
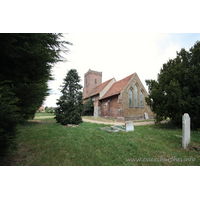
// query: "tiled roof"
[[117, 87], [98, 89]]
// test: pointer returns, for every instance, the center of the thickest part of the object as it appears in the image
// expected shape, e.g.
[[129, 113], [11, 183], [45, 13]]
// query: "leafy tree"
[[88, 108], [70, 104], [49, 110], [46, 108], [177, 90]]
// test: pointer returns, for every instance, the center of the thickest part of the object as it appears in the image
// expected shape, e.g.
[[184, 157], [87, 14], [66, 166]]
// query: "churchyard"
[[43, 142]]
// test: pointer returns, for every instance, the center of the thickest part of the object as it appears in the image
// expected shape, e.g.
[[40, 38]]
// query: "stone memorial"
[[146, 116], [129, 126], [120, 119], [185, 130]]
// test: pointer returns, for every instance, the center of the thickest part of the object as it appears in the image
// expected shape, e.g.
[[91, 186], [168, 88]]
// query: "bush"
[[49, 110], [88, 108]]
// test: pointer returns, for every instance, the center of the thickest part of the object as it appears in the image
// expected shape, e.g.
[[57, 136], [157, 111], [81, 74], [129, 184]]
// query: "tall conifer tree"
[[26, 63], [70, 104]]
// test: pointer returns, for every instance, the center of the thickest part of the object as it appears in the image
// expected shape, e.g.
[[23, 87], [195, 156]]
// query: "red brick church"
[[123, 100]]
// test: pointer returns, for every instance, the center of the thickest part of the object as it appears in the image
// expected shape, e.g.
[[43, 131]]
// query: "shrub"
[[88, 108]]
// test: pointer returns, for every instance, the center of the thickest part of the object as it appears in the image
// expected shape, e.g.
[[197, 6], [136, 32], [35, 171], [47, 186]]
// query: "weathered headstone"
[[129, 126], [120, 119], [185, 130], [146, 116]]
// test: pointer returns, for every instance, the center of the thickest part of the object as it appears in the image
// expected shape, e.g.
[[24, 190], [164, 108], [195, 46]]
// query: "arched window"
[[136, 96], [141, 100], [130, 96]]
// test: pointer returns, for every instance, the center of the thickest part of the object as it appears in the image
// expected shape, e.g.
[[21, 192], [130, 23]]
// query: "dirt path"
[[117, 123], [110, 123], [99, 122]]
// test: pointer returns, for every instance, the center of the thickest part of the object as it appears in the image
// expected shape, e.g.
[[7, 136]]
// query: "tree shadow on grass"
[[168, 126]]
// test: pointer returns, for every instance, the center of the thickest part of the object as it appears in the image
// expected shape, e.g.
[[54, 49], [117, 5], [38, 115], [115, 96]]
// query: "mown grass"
[[50, 144]]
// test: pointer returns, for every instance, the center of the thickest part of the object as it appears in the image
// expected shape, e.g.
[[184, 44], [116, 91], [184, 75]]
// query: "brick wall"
[[111, 107]]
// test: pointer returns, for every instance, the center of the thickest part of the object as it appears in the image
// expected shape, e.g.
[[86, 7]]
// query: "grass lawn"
[[47, 143]]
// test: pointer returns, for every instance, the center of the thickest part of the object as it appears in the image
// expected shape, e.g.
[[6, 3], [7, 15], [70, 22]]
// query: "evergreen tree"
[[26, 63], [177, 90], [9, 117], [70, 104]]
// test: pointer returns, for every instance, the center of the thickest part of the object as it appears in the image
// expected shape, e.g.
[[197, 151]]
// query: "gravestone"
[[129, 126], [185, 130], [146, 116], [120, 119]]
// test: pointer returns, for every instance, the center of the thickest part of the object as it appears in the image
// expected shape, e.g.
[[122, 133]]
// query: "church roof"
[[117, 87], [98, 88]]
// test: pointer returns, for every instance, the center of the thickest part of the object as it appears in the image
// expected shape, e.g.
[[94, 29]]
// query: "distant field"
[[44, 114], [43, 117], [39, 116]]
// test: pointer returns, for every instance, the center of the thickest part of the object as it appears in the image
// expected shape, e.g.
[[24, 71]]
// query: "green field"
[[47, 143]]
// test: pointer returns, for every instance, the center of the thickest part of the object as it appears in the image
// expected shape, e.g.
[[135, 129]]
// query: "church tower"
[[91, 80]]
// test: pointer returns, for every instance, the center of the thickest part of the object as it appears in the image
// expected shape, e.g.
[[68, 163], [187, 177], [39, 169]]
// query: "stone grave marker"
[[185, 130], [146, 116], [120, 119], [129, 126]]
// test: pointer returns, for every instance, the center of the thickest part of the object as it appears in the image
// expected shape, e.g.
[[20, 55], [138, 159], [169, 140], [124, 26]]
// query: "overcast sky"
[[118, 55], [106, 34]]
